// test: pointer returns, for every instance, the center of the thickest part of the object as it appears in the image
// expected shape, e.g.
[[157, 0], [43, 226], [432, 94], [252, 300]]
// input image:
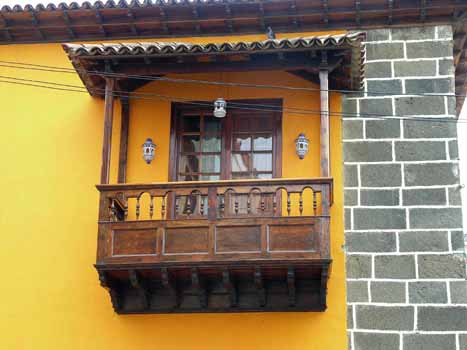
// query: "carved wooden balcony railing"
[[226, 246]]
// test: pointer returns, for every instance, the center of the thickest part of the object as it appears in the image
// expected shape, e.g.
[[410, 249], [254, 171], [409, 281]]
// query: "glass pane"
[[241, 143], [211, 144], [211, 164], [209, 177], [191, 124], [264, 176], [189, 164], [240, 162], [212, 124], [188, 177], [262, 162], [262, 143], [190, 144]]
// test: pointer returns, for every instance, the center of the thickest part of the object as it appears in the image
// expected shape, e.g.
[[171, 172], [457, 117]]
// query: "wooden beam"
[[108, 122], [324, 133], [138, 283], [259, 284], [291, 286], [124, 128]]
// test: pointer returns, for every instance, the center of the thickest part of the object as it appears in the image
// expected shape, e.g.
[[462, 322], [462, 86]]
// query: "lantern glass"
[[220, 108], [149, 149], [301, 145]]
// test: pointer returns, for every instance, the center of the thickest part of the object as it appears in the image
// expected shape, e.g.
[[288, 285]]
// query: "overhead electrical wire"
[[55, 69], [233, 105]]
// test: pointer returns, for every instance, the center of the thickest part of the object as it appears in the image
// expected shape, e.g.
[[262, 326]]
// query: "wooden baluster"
[[236, 204], [274, 204], [137, 208], [300, 205], [163, 208], [263, 205], [222, 205], [113, 211], [315, 204], [177, 205], [248, 204], [288, 204], [151, 208], [201, 204], [125, 211], [188, 205]]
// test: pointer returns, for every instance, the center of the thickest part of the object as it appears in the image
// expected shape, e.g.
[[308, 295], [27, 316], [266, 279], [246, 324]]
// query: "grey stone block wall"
[[406, 286]]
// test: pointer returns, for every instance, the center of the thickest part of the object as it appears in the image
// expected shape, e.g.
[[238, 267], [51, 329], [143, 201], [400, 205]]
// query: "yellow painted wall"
[[51, 149]]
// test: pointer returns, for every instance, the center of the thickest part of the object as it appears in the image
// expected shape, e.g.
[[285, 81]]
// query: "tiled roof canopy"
[[300, 56]]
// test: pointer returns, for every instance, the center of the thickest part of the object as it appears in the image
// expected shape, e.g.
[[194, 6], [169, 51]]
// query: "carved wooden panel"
[[238, 239], [134, 242], [186, 240], [292, 238]]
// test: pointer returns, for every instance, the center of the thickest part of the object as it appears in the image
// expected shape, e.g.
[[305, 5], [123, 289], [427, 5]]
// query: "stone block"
[[381, 175], [423, 218], [352, 129], [384, 51], [357, 292], [398, 318], [429, 342], [439, 319], [376, 341], [428, 293], [415, 69], [431, 174], [379, 219], [444, 31], [428, 49], [425, 105], [423, 241], [375, 107], [387, 292], [414, 129], [349, 107], [455, 196], [348, 219], [377, 151], [457, 240], [420, 150], [427, 86], [424, 196], [458, 292], [395, 266], [378, 70], [358, 266], [441, 266], [364, 242], [379, 197], [446, 67], [350, 198], [413, 33], [462, 341], [453, 150], [349, 316], [382, 129], [390, 87], [350, 176], [377, 35]]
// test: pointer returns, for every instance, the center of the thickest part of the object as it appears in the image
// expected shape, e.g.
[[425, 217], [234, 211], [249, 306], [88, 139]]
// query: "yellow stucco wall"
[[51, 149]]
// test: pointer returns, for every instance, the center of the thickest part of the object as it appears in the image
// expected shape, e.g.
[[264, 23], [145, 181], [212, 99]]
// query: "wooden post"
[[108, 121], [324, 132], [125, 123]]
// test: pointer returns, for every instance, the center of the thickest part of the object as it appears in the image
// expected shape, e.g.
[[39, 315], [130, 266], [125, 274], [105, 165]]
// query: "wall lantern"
[[220, 108], [301, 145], [149, 148]]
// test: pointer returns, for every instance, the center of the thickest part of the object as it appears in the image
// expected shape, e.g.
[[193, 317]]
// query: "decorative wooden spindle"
[[151, 208], [315, 204], [125, 211], [137, 208], [201, 205], [263, 204], [288, 204], [222, 205], [274, 204], [300, 203], [188, 205], [163, 208], [113, 211], [177, 205], [248, 204], [236, 204]]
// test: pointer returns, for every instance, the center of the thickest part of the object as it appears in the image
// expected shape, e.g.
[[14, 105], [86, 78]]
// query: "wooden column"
[[108, 121], [324, 132], [125, 123]]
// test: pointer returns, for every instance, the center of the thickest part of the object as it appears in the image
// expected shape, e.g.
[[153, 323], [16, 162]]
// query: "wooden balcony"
[[225, 246]]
